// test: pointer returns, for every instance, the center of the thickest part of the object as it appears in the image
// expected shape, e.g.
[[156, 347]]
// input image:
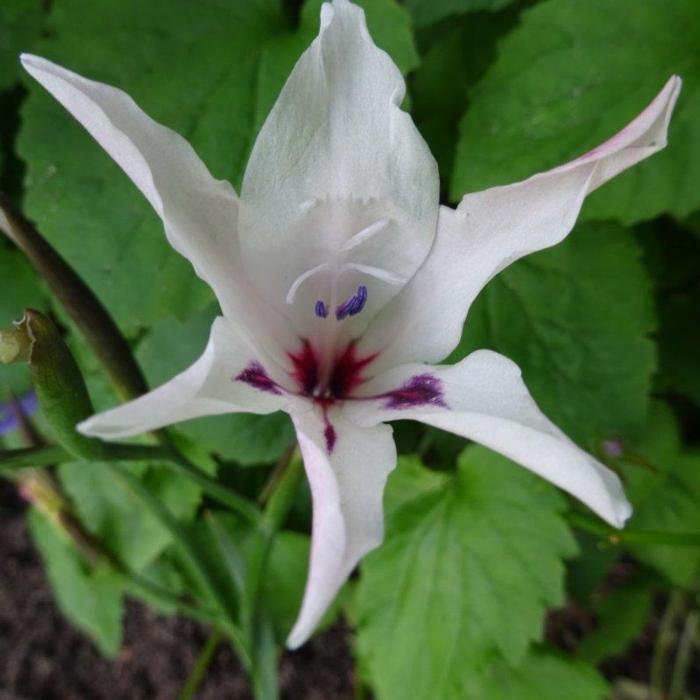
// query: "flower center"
[[340, 265]]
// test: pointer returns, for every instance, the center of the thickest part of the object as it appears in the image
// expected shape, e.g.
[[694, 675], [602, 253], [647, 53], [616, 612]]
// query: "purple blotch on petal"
[[321, 309], [421, 390], [353, 305], [331, 436], [255, 375]]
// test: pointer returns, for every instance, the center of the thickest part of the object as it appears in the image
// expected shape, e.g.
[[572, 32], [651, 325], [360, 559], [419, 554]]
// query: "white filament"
[[302, 278]]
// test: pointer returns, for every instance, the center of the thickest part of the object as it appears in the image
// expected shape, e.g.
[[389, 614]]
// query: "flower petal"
[[483, 398], [337, 157], [219, 381], [199, 213], [347, 483], [491, 229]]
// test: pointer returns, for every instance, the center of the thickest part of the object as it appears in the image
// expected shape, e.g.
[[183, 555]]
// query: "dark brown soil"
[[43, 658]]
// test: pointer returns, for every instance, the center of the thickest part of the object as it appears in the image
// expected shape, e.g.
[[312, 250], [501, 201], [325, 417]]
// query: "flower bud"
[[59, 384]]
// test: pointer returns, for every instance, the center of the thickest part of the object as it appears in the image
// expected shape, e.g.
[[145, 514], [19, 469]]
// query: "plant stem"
[[200, 667], [617, 537], [256, 626], [13, 460], [86, 310], [664, 642], [683, 657], [195, 558]]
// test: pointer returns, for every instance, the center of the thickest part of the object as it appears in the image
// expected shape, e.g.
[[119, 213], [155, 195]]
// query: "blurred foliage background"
[[606, 327]]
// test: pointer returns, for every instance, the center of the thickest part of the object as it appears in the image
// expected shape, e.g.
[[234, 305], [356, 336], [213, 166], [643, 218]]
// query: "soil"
[[43, 658]]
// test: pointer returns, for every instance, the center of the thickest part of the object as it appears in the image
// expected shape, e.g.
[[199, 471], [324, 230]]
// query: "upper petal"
[[199, 213], [483, 398], [214, 384], [347, 484], [336, 157], [491, 229]]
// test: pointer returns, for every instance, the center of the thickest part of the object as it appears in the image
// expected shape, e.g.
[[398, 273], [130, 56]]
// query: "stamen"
[[364, 235], [376, 272], [301, 279], [321, 309], [353, 305]]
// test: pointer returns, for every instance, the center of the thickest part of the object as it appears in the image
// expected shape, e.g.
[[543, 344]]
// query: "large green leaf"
[[426, 12], [470, 562], [576, 319], [91, 600], [118, 517], [455, 57], [21, 22], [570, 76], [544, 675]]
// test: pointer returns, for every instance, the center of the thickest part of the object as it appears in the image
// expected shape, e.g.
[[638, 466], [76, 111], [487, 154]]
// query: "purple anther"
[[321, 309], [353, 305], [421, 390], [255, 375]]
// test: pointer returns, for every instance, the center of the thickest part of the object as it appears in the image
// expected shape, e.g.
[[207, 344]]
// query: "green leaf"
[[426, 12], [663, 484], [455, 59], [21, 22], [91, 600], [118, 517], [576, 319], [171, 346], [544, 675], [566, 80], [470, 562], [226, 543]]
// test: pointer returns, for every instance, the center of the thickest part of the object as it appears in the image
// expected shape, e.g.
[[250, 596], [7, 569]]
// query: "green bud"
[[59, 385], [15, 345]]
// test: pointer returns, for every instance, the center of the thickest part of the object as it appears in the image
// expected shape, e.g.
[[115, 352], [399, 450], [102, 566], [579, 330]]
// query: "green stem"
[[664, 642], [627, 536], [200, 667], [13, 460], [683, 657], [255, 626], [194, 556]]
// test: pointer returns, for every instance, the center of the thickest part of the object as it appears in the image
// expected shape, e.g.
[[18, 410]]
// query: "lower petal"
[[347, 477], [484, 398], [229, 377]]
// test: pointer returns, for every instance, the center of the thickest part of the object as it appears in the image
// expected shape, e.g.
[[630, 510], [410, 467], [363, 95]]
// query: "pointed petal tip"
[[296, 639], [623, 512]]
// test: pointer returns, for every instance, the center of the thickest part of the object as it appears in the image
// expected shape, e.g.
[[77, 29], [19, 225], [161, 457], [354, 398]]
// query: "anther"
[[321, 309], [353, 305]]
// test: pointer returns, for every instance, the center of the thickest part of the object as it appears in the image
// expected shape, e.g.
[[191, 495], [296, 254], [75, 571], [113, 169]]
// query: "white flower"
[[341, 281]]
